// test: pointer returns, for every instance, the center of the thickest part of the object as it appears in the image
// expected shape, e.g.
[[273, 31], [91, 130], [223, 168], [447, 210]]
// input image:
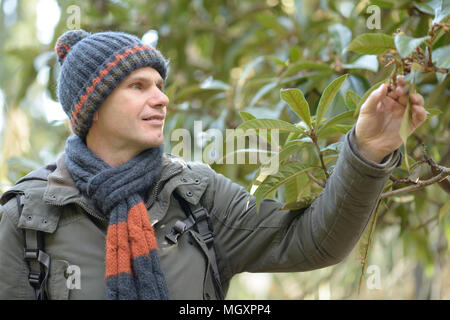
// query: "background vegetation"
[[229, 61]]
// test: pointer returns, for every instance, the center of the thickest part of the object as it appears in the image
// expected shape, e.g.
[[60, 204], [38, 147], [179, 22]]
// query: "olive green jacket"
[[270, 240]]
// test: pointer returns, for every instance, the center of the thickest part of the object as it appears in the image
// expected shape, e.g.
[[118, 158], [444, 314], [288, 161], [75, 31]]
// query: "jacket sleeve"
[[274, 240], [13, 269]]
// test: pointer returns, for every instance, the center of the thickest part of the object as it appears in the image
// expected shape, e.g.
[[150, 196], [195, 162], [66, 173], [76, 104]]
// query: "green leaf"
[[441, 12], [296, 100], [284, 174], [406, 124], [304, 65], [441, 57], [424, 7], [432, 112], [292, 147], [184, 94], [246, 116], [262, 92], [294, 188], [382, 4], [343, 128], [327, 98], [365, 243], [295, 54], [303, 202], [406, 45], [334, 147], [445, 209], [368, 62], [365, 96], [270, 21], [336, 120], [372, 43], [211, 84], [249, 69], [340, 35], [277, 61], [351, 99], [252, 128], [270, 124], [250, 151]]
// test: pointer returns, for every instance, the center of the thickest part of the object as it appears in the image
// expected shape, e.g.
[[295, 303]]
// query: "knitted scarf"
[[133, 269]]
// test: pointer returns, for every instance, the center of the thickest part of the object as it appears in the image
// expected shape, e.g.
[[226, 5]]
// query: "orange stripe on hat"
[[100, 77]]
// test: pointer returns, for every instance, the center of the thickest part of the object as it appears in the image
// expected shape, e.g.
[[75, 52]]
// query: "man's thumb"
[[374, 98]]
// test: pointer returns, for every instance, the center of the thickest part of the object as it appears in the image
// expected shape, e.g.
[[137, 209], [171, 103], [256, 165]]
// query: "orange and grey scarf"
[[133, 268]]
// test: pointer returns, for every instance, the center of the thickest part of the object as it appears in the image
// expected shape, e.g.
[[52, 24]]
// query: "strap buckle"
[[177, 230], [208, 238], [200, 214], [31, 254], [34, 279]]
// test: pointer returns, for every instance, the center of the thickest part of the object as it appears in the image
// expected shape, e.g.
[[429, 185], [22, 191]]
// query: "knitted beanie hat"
[[92, 65]]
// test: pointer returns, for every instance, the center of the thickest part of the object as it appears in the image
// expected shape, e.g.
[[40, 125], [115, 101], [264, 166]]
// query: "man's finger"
[[401, 90], [403, 100], [371, 103], [392, 94], [391, 105], [417, 98], [400, 81], [419, 115]]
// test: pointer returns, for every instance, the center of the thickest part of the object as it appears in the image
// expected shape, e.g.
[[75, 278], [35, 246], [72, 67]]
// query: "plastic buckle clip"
[[31, 254], [200, 214], [208, 238], [34, 279], [177, 230]]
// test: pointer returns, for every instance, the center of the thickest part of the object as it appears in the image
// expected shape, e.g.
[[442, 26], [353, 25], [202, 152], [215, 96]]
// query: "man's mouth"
[[155, 119]]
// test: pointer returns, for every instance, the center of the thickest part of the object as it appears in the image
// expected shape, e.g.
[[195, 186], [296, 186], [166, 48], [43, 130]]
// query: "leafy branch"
[[406, 56], [440, 174]]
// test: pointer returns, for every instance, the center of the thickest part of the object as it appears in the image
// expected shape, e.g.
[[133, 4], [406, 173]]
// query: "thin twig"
[[424, 224], [322, 163], [317, 181], [369, 242], [401, 181], [443, 174]]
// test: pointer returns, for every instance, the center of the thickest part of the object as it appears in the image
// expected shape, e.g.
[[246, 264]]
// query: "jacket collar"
[[61, 189]]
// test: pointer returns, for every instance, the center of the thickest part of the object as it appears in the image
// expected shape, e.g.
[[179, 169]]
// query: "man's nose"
[[158, 98]]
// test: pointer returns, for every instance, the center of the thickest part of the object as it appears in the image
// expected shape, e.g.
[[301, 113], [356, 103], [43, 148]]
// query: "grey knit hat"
[[92, 65]]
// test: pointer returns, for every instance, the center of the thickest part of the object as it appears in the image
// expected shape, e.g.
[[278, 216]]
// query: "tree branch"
[[319, 153], [317, 181], [443, 174]]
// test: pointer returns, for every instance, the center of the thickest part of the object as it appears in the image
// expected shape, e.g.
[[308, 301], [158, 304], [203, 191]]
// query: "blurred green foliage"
[[232, 61]]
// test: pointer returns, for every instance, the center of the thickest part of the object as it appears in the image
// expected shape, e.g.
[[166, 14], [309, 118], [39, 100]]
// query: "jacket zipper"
[[81, 204], [159, 183]]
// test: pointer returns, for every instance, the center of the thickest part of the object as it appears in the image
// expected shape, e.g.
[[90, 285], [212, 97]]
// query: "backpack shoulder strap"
[[37, 259], [198, 217]]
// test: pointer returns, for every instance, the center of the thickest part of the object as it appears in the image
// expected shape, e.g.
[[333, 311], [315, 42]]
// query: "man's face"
[[133, 115]]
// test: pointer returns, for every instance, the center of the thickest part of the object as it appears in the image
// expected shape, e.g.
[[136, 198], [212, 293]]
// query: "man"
[[112, 210]]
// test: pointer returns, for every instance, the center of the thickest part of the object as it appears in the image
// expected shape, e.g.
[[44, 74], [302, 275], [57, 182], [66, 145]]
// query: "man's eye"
[[136, 86]]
